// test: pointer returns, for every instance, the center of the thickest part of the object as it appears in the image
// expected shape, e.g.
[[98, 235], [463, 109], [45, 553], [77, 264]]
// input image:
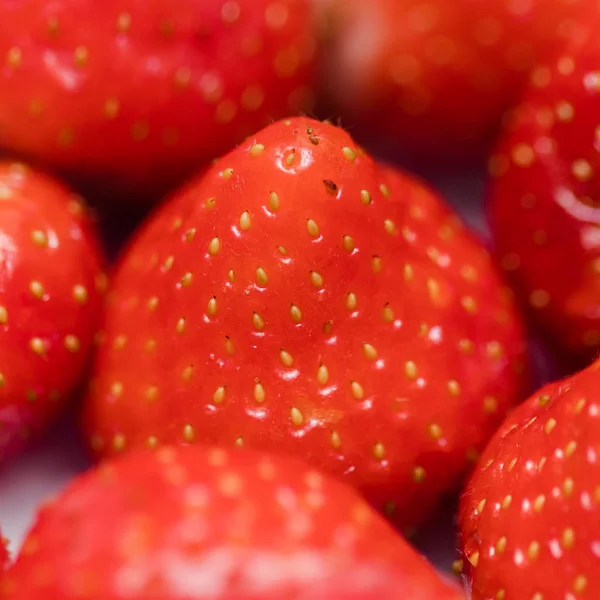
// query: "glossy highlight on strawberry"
[[51, 282], [530, 516], [139, 93], [544, 194], [303, 299], [203, 523]]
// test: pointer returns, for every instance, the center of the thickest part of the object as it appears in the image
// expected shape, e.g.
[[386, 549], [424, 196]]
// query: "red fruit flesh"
[[50, 287], [198, 523], [303, 299], [142, 92], [530, 516], [437, 75], [544, 197]]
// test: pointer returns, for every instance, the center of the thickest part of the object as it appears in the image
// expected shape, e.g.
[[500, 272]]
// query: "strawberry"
[[50, 285], [530, 516], [303, 299], [543, 196], [140, 92], [3, 553], [207, 523], [437, 74]]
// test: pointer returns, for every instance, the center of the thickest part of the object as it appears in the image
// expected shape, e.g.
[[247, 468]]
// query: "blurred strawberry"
[[303, 299], [205, 523], [50, 287], [530, 517], [438, 74], [545, 195], [137, 93]]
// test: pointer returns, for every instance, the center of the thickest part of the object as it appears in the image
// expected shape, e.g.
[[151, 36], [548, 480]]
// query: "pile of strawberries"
[[301, 353]]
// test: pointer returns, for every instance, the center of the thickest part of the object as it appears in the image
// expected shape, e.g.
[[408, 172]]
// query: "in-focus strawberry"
[[140, 92], [530, 516], [436, 76], [545, 196], [204, 523], [50, 300], [301, 298]]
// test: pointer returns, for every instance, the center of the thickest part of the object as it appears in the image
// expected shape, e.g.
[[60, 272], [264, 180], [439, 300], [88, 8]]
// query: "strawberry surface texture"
[[530, 516], [301, 298], [51, 282], [206, 523], [544, 193], [436, 76], [138, 92]]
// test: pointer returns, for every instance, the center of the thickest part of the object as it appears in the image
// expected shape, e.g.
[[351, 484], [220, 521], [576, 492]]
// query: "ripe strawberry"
[[438, 74], [143, 91], [301, 298], [530, 517], [544, 196], [50, 284], [206, 523]]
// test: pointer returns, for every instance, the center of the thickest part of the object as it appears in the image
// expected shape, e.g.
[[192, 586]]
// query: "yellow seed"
[[227, 173], [219, 395], [214, 246], [533, 551], [229, 346], [433, 287], [365, 197], [245, 221], [295, 313], [322, 374], [327, 327], [259, 392], [376, 264], [231, 275], [410, 369], [473, 559], [312, 228], [409, 273], [568, 486], [385, 191], [435, 431], [259, 322], [349, 153], [261, 277], [116, 389], [454, 388], [570, 448], [150, 345], [256, 149], [468, 303], [188, 433], [351, 301], [210, 203], [39, 238], [286, 358], [152, 441], [419, 474], [239, 442], [387, 314], [152, 303], [580, 406], [186, 280], [289, 159], [80, 294], [580, 583], [211, 308], [379, 451], [511, 464], [3, 315], [490, 405], [335, 440], [81, 56], [550, 425], [36, 289], [190, 234], [568, 538], [168, 264], [357, 390], [118, 442], [506, 502], [274, 202], [72, 343], [316, 279], [37, 345], [151, 393], [187, 373], [296, 415], [369, 351], [180, 325], [501, 545], [390, 226], [283, 250], [348, 243]]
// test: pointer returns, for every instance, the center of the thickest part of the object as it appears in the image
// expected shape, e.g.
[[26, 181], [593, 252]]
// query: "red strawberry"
[[50, 284], [143, 91], [301, 298], [205, 523], [530, 516], [3, 553], [544, 196], [438, 74]]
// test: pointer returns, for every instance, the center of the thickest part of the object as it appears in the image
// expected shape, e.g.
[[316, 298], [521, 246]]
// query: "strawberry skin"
[[140, 92], [544, 192], [205, 523], [303, 299], [530, 516], [3, 554], [437, 74], [50, 302]]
